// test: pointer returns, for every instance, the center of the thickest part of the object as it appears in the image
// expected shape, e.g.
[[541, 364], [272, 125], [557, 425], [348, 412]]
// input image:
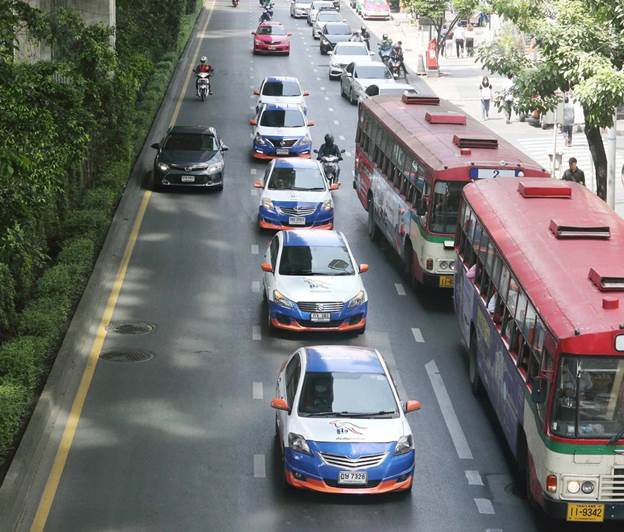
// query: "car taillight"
[[551, 483], [429, 264]]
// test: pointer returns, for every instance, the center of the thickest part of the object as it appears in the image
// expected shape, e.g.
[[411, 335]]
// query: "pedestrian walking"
[[574, 173], [485, 92], [470, 40], [459, 41], [568, 120], [448, 42], [508, 97]]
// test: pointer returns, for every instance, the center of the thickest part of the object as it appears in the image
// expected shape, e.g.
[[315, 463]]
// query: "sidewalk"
[[459, 83]]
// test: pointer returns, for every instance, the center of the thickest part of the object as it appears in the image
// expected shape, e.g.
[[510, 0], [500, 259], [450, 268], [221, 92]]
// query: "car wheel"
[[352, 100], [373, 230], [270, 326], [323, 51]]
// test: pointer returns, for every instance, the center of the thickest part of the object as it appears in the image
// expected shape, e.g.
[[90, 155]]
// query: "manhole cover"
[[127, 356], [131, 327]]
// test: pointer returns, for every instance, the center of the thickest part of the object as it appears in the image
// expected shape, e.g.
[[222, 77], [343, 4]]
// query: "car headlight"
[[268, 204], [328, 205], [452, 265], [587, 487], [282, 300], [163, 167], [258, 41], [358, 299], [303, 141], [298, 443], [443, 265], [260, 140], [215, 167], [404, 445], [573, 486]]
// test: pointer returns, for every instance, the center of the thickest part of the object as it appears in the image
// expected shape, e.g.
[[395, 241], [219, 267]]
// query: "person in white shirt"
[[459, 40], [485, 91]]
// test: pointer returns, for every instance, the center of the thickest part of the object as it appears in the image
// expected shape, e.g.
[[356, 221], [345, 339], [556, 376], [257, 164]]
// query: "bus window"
[[524, 355], [503, 284], [521, 309], [545, 371], [529, 323], [496, 270], [491, 254], [446, 196], [483, 247]]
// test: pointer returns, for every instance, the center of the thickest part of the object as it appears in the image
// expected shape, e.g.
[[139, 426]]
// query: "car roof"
[[280, 79], [318, 237], [296, 163], [363, 62], [197, 130], [343, 359], [281, 107]]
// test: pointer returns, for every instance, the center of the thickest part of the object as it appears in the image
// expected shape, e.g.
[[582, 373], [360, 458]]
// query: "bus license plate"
[[296, 220], [353, 477], [446, 281], [320, 316], [585, 512], [281, 151], [187, 179]]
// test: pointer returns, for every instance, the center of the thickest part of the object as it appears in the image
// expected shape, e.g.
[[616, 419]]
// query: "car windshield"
[[319, 5], [589, 398], [271, 30], [446, 196], [190, 142], [350, 50], [315, 260], [329, 16], [337, 29], [282, 118], [341, 394], [281, 88], [373, 72], [296, 179]]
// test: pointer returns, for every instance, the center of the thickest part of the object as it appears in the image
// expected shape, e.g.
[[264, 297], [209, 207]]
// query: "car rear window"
[[337, 29], [271, 30], [329, 16], [190, 142], [350, 50], [315, 260], [282, 118], [373, 72], [281, 88]]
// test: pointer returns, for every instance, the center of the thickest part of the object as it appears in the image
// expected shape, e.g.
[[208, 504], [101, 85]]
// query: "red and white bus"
[[539, 295], [413, 157]]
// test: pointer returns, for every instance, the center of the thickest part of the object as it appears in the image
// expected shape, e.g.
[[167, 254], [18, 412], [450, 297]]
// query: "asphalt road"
[[184, 441]]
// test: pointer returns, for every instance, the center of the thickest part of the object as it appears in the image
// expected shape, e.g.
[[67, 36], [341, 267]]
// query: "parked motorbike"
[[203, 85], [331, 167], [267, 14]]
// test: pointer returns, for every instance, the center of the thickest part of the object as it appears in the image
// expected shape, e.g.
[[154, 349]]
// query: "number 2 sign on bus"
[[413, 157]]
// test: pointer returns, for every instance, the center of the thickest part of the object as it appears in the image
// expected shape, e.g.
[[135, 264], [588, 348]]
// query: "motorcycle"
[[394, 65], [234, 3], [267, 14], [331, 167], [203, 85]]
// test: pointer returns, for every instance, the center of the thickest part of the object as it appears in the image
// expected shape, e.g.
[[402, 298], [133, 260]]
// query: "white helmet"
[[203, 59]]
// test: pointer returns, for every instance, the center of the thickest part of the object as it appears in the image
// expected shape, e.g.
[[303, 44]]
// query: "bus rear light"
[[429, 264], [551, 483]]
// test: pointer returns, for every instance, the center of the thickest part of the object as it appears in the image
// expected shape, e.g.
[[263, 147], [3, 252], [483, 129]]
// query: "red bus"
[[413, 156], [539, 296]]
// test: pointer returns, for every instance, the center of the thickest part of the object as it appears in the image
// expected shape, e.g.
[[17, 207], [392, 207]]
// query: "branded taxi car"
[[312, 283], [341, 424], [281, 130], [295, 194], [271, 38], [280, 89]]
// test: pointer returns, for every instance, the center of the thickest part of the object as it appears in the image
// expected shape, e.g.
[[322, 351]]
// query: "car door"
[[271, 257], [288, 391]]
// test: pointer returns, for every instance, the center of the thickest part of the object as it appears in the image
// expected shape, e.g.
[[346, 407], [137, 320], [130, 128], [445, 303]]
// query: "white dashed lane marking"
[[474, 478], [256, 391], [253, 171], [448, 412], [399, 288], [331, 109], [326, 97], [259, 466], [341, 137], [256, 333], [255, 249], [484, 506], [418, 336], [336, 123]]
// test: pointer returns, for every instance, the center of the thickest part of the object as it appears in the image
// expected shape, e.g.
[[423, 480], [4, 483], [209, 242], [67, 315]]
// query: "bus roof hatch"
[[576, 230], [485, 143], [446, 118], [607, 283]]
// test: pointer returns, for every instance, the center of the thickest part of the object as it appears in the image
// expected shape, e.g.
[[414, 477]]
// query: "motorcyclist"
[[385, 46], [397, 55], [203, 67], [365, 36], [329, 148], [267, 12]]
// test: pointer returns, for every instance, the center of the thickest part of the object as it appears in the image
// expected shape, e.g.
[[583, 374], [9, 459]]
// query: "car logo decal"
[[282, 143], [344, 427], [188, 168], [315, 283]]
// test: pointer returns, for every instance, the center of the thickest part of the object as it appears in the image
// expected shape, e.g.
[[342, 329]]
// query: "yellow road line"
[[54, 478]]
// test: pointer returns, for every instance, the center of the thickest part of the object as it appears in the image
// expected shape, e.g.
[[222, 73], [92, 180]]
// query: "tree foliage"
[[580, 49]]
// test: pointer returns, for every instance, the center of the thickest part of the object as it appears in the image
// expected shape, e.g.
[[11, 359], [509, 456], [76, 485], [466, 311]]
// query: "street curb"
[[27, 475]]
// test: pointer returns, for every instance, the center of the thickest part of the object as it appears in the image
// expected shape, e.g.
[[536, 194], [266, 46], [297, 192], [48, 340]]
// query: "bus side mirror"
[[539, 389]]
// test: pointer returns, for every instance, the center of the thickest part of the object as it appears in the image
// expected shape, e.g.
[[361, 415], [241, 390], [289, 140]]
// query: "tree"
[[580, 50], [436, 11], [17, 16]]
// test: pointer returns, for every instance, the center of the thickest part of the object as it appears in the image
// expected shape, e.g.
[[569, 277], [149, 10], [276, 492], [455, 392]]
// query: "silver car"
[[360, 80], [299, 8], [322, 18], [316, 6]]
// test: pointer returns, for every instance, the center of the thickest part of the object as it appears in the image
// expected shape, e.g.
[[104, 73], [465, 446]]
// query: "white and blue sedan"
[[312, 283], [281, 130], [341, 424]]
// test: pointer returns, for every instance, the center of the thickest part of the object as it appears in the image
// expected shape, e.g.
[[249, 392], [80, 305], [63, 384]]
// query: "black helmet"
[[384, 37], [329, 139]]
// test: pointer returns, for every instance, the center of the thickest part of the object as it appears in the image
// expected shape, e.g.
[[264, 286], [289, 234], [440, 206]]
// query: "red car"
[[271, 38]]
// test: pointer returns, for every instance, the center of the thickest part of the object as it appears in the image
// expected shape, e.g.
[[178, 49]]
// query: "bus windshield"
[[589, 398], [445, 206]]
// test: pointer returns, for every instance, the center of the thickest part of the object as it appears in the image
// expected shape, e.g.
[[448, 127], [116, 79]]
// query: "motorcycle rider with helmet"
[[385, 47], [397, 55], [205, 68], [365, 36], [328, 149]]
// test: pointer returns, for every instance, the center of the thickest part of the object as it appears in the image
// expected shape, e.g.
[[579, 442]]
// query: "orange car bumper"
[[343, 327], [318, 485], [263, 224]]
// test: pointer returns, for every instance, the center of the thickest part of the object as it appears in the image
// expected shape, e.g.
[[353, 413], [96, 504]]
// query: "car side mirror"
[[348, 74], [266, 267], [306, 93], [224, 147], [412, 406], [334, 186], [258, 183], [253, 122], [256, 92], [538, 390], [289, 34], [279, 404], [363, 268], [156, 146], [253, 32], [311, 123]]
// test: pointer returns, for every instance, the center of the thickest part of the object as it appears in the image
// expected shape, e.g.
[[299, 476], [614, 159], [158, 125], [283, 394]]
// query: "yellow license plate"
[[585, 512], [446, 281]]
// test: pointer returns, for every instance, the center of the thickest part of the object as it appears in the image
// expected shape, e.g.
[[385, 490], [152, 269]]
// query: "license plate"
[[585, 512], [296, 220], [446, 281], [320, 316], [187, 179], [281, 151], [272, 47], [353, 477]]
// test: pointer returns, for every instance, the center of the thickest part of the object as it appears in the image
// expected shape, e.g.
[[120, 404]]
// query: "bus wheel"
[[473, 369], [373, 231]]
